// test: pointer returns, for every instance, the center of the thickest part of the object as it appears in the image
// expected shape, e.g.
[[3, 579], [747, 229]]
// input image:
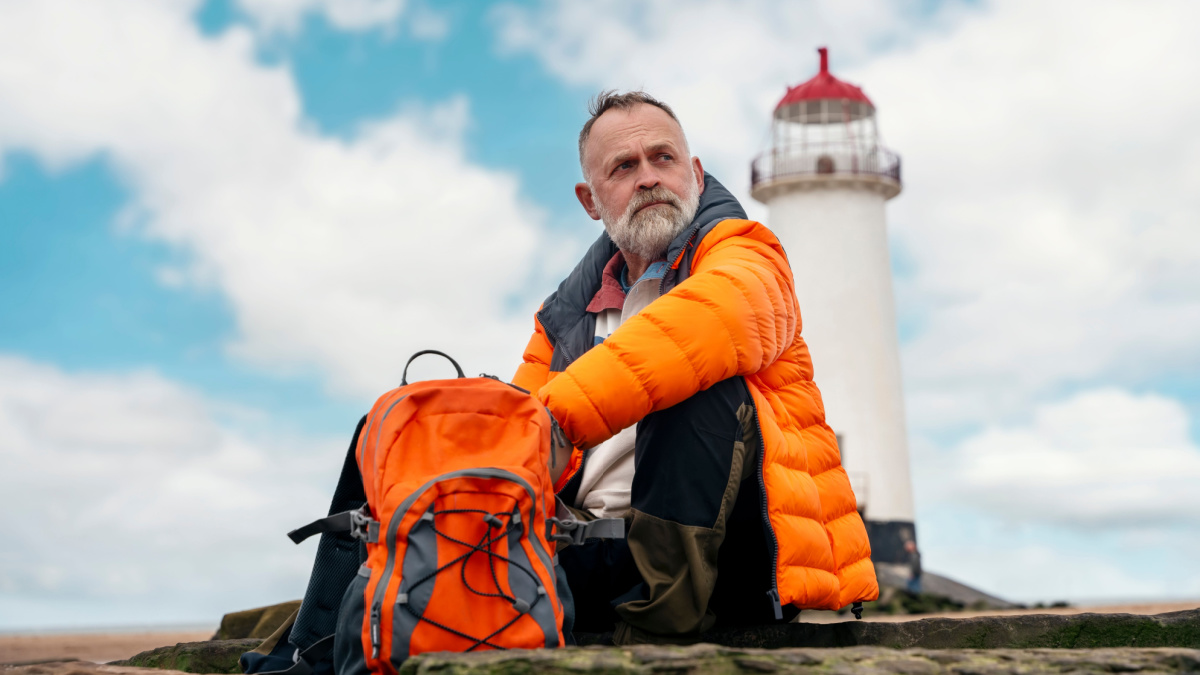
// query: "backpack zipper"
[[558, 438]]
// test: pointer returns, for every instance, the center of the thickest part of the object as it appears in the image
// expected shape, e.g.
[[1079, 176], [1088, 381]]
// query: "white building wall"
[[836, 241]]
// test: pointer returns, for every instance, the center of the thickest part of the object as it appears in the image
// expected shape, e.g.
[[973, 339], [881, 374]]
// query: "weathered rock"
[[259, 622], [1038, 631], [213, 656], [1176, 629], [714, 660], [710, 659]]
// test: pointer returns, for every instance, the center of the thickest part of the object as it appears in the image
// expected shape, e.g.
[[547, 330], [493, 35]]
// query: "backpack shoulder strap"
[[358, 523], [304, 661]]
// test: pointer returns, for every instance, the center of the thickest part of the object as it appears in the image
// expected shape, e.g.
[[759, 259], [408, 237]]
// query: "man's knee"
[[685, 455]]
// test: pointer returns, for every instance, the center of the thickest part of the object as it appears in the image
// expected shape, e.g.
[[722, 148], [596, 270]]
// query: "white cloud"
[[128, 490], [345, 256], [1049, 212], [1032, 573], [1050, 217], [721, 65], [286, 15], [1101, 458], [428, 24], [1048, 226]]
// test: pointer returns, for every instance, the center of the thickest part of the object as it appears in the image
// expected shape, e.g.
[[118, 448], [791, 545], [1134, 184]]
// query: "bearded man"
[[672, 359]]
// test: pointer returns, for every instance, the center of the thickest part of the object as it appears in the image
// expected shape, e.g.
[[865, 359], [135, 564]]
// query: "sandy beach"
[[97, 647]]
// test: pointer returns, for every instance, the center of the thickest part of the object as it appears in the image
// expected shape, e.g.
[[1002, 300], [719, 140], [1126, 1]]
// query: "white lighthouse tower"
[[825, 179]]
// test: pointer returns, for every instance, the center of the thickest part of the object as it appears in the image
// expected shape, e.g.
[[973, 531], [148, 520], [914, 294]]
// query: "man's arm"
[[534, 371], [734, 315]]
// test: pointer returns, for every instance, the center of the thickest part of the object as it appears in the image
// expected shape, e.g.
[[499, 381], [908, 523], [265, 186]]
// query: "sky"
[[225, 224]]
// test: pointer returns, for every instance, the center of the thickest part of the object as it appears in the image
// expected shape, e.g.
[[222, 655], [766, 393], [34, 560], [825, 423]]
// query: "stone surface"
[[1175, 629], [706, 659], [259, 622], [1036, 631], [212, 656]]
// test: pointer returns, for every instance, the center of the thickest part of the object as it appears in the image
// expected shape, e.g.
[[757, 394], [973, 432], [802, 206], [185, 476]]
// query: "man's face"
[[642, 183]]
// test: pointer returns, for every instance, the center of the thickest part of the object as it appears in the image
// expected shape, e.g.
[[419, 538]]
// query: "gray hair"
[[610, 99]]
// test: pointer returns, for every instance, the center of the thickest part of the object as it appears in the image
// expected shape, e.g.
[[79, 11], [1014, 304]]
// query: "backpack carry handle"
[[404, 375]]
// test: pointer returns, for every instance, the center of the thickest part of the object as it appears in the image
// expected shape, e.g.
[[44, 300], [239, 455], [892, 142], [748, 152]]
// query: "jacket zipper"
[[555, 342], [662, 283], [773, 592]]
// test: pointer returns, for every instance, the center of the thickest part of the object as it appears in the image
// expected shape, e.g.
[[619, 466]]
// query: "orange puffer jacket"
[[729, 309]]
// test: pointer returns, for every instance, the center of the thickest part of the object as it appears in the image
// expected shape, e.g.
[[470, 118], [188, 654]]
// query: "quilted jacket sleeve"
[[534, 370], [734, 315]]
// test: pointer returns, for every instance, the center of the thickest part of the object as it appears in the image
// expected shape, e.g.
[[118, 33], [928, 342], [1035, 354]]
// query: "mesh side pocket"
[[348, 655]]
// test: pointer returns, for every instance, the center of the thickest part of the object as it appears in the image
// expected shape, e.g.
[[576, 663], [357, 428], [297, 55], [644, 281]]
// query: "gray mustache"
[[658, 194]]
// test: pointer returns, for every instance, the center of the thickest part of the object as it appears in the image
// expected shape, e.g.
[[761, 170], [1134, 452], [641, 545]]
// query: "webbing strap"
[[566, 528], [302, 661], [573, 531], [358, 523]]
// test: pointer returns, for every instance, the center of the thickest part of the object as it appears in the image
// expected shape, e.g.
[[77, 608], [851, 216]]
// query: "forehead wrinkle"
[[626, 153], [624, 125]]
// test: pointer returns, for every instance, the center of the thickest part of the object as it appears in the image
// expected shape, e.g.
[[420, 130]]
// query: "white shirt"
[[608, 475]]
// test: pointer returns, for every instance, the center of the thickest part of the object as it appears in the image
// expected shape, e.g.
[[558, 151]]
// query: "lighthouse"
[[826, 178]]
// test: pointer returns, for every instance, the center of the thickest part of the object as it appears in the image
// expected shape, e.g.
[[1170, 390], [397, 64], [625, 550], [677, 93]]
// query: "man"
[[672, 358]]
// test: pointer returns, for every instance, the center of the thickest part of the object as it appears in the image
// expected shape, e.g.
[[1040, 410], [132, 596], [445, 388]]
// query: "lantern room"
[[824, 132]]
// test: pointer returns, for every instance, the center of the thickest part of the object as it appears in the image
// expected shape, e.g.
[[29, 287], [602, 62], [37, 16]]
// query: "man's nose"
[[648, 177]]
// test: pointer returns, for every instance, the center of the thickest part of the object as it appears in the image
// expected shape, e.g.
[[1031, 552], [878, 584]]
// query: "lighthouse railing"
[[824, 158]]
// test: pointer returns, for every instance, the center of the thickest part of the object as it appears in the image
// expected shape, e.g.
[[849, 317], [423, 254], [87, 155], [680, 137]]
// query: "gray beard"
[[647, 234]]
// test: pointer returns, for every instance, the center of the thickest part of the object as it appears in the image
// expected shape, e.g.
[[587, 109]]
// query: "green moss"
[[1098, 630], [213, 656]]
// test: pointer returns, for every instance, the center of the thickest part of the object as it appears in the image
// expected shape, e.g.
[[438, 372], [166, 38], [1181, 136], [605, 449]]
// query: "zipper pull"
[[558, 439], [774, 595], [375, 631]]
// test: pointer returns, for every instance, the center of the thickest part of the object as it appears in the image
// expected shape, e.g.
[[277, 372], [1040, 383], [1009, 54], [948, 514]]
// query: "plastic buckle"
[[364, 527], [570, 532]]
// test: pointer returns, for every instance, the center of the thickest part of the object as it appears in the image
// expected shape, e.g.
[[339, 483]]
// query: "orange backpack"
[[460, 526]]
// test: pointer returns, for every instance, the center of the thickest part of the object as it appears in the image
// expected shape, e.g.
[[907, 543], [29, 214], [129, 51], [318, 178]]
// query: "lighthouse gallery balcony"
[[821, 164]]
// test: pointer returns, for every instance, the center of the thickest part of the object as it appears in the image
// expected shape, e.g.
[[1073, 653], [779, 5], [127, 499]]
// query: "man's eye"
[[666, 157]]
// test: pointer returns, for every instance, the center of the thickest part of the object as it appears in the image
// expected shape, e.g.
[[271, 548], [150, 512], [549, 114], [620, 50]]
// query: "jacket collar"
[[565, 311], [716, 204]]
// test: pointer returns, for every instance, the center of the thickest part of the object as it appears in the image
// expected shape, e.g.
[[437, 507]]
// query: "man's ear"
[[698, 170], [584, 194]]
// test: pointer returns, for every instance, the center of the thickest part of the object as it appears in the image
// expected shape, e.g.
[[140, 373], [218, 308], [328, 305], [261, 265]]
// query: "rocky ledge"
[[705, 659], [1053, 631], [973, 646]]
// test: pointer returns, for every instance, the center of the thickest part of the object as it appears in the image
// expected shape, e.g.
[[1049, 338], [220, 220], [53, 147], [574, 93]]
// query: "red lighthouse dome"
[[823, 86]]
